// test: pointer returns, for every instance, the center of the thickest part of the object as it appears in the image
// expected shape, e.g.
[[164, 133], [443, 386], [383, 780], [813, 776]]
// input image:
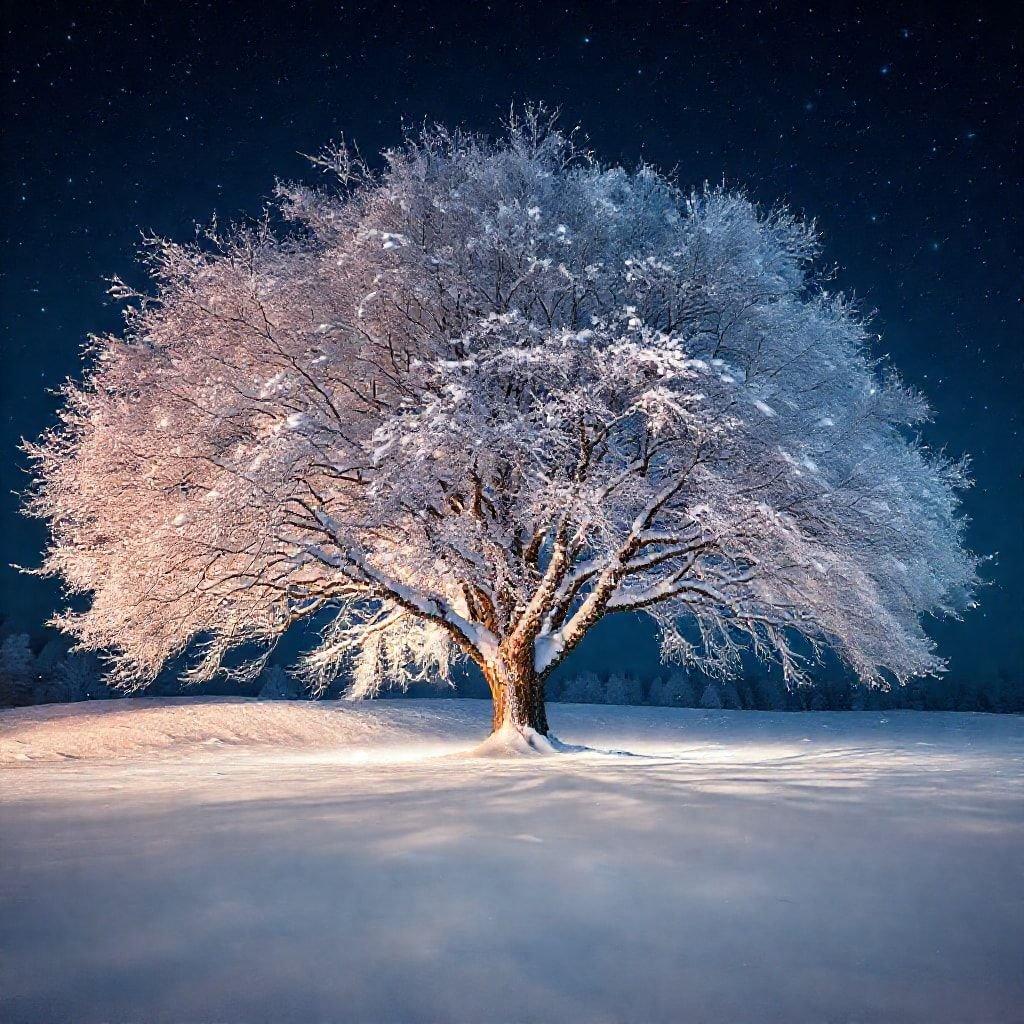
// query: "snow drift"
[[210, 726]]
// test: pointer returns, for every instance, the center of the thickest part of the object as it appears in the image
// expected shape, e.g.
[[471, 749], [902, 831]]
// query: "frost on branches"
[[469, 406]]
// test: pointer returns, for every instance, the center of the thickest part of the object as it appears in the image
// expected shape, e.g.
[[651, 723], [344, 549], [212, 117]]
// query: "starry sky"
[[896, 126]]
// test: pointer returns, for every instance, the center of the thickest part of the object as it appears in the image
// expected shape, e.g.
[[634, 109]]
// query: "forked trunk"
[[517, 691]]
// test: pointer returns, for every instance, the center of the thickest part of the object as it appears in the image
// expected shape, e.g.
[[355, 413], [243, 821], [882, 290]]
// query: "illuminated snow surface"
[[234, 861]]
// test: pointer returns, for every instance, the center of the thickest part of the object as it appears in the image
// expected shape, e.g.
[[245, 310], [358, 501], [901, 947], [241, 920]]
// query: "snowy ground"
[[219, 860]]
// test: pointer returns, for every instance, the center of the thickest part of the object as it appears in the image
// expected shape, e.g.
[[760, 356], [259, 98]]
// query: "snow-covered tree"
[[730, 694], [18, 670], [553, 688], [623, 688], [585, 688], [81, 678], [711, 698], [655, 691], [818, 701], [674, 691], [278, 685], [51, 656], [770, 694], [469, 406]]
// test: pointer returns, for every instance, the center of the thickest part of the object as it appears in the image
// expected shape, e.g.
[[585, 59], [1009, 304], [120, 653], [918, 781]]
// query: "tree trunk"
[[517, 691]]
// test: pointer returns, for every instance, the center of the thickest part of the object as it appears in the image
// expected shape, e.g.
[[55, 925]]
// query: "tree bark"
[[517, 691]]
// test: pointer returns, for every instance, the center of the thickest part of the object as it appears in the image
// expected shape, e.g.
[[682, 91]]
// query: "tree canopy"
[[466, 406]]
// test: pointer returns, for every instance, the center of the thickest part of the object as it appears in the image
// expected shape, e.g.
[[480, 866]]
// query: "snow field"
[[228, 860]]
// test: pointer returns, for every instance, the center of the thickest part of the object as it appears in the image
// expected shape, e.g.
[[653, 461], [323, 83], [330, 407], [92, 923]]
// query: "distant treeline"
[[48, 673], [769, 693]]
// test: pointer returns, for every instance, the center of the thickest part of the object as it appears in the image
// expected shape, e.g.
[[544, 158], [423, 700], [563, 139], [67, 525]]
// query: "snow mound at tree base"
[[512, 741]]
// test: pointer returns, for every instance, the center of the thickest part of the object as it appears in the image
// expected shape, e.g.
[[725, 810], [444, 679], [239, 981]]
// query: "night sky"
[[897, 126]]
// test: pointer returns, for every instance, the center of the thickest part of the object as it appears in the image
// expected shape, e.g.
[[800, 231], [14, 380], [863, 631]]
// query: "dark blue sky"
[[896, 126]]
